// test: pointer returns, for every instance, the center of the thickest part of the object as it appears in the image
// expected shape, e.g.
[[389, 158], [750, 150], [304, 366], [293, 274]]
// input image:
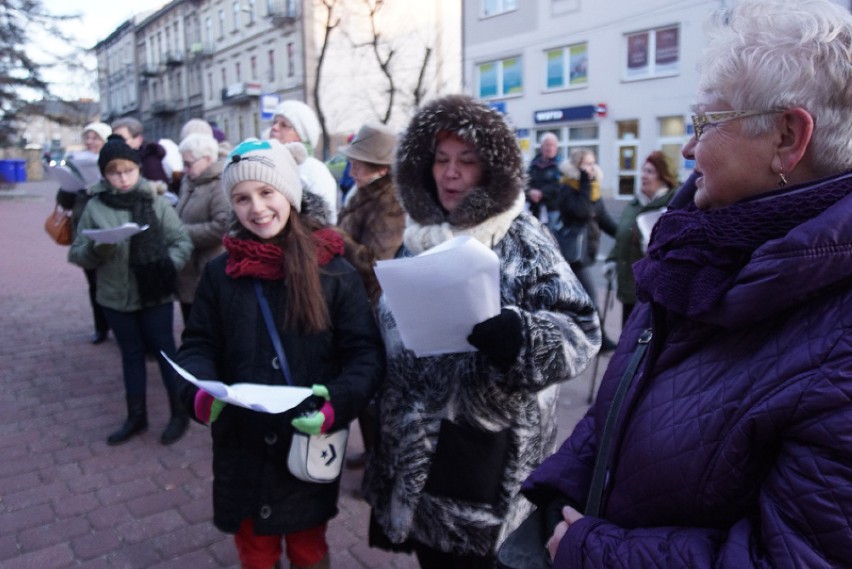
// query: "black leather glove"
[[500, 338]]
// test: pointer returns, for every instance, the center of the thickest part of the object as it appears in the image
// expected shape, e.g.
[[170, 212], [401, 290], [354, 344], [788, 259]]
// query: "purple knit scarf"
[[695, 256]]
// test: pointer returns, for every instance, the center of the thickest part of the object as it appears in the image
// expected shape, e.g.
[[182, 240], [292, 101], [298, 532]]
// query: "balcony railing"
[[173, 58], [148, 70], [238, 93], [201, 49], [164, 106], [283, 12]]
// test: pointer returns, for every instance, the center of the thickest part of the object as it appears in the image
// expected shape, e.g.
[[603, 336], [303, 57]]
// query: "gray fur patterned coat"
[[457, 435]]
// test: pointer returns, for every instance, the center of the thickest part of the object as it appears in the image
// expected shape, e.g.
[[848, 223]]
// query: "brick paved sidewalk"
[[69, 500]]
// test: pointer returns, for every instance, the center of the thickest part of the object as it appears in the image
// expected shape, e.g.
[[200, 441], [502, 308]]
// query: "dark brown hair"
[[306, 308], [661, 164]]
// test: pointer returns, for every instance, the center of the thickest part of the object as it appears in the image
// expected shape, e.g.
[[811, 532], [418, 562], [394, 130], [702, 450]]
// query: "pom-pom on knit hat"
[[267, 161], [114, 149], [103, 130], [303, 119]]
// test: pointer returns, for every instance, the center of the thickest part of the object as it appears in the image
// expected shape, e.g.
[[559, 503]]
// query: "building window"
[[253, 65], [208, 31], [224, 77], [494, 7], [291, 59], [235, 7], [250, 11], [271, 65], [567, 67], [653, 53], [238, 70], [628, 161], [500, 78], [221, 23], [210, 85], [672, 137]]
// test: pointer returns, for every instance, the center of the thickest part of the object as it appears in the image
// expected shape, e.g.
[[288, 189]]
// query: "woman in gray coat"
[[459, 432], [203, 208]]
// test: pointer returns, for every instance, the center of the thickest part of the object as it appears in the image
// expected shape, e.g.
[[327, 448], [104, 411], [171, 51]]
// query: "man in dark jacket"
[[543, 172], [151, 153]]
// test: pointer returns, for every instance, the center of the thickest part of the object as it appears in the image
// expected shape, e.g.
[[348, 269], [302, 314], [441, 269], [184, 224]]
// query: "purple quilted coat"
[[733, 448]]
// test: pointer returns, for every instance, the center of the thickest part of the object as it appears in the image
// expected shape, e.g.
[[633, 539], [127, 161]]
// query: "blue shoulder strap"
[[273, 332]]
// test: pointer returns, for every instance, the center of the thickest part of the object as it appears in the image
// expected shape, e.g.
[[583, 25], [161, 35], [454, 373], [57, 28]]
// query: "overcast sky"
[[99, 19]]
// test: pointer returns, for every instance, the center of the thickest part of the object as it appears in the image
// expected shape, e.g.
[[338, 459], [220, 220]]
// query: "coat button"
[[270, 439], [275, 363], [265, 512]]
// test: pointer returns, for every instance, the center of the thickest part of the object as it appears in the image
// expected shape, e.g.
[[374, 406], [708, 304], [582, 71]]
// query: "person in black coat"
[[582, 210], [543, 178], [330, 341]]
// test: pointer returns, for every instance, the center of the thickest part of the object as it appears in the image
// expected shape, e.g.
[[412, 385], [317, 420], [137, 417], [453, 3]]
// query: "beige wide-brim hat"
[[374, 143]]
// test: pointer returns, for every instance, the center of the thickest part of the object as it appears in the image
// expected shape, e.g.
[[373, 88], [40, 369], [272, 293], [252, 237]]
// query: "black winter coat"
[[226, 339]]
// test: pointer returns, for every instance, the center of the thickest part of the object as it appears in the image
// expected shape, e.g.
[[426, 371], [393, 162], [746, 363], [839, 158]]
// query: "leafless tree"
[[331, 22]]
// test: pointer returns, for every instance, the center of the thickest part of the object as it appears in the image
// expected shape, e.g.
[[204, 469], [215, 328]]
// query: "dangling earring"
[[783, 181]]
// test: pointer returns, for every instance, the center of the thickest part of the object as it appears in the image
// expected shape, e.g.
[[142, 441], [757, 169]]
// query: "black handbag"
[[572, 239], [526, 547]]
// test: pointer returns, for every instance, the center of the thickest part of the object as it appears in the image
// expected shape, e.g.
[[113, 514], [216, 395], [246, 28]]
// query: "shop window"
[[628, 160]]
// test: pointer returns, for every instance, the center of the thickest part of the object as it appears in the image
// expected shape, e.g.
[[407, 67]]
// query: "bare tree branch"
[[384, 63], [419, 89], [330, 24]]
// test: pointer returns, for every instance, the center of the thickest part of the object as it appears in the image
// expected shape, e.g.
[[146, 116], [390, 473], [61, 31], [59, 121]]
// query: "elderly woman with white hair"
[[203, 208], [294, 121], [721, 433]]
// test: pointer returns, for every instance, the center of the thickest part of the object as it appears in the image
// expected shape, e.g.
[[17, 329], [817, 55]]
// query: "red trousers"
[[304, 548]]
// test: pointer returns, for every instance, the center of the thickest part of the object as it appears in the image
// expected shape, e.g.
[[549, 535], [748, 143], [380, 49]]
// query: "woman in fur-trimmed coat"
[[459, 432]]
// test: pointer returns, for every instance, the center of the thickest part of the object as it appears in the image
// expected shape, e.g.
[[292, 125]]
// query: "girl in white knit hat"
[[277, 249]]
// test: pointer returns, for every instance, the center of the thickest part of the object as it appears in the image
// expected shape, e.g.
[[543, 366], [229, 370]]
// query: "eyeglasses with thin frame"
[[700, 121]]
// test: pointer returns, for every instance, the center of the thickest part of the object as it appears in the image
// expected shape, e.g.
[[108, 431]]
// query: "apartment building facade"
[[233, 61]]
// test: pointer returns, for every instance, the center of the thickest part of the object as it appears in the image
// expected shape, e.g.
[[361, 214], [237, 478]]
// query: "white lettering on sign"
[[553, 115]]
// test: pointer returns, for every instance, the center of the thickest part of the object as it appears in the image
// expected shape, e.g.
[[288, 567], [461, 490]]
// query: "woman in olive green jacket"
[[136, 278]]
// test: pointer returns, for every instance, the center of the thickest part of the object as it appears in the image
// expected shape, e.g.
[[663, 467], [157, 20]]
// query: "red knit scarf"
[[249, 258]]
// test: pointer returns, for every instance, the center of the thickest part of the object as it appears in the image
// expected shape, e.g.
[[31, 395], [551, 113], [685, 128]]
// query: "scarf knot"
[[250, 258]]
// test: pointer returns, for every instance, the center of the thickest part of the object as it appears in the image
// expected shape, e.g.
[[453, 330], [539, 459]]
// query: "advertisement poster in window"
[[555, 69], [579, 65], [667, 50], [487, 80], [512, 82], [637, 55]]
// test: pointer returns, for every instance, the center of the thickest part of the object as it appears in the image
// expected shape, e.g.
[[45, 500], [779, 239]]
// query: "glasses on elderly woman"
[[700, 121]]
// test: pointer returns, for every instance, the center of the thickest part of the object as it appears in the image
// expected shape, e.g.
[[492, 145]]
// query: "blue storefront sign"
[[583, 112]]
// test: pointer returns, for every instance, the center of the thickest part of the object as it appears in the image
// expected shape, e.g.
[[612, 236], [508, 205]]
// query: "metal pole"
[[607, 302]]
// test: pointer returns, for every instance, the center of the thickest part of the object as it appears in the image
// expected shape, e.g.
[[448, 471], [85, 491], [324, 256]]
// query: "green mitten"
[[319, 421]]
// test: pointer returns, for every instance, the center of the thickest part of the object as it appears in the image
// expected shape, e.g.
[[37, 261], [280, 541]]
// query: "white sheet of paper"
[[438, 296], [646, 222], [263, 398], [114, 234]]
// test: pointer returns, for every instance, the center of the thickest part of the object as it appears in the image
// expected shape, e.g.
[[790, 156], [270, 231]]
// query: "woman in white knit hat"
[[85, 164], [294, 121], [277, 249]]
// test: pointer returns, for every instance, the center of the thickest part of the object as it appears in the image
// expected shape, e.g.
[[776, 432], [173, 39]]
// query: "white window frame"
[[499, 7], [565, 52], [500, 79], [652, 67]]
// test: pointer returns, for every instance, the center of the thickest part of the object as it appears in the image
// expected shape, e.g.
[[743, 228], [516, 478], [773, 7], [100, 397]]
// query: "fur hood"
[[503, 173]]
